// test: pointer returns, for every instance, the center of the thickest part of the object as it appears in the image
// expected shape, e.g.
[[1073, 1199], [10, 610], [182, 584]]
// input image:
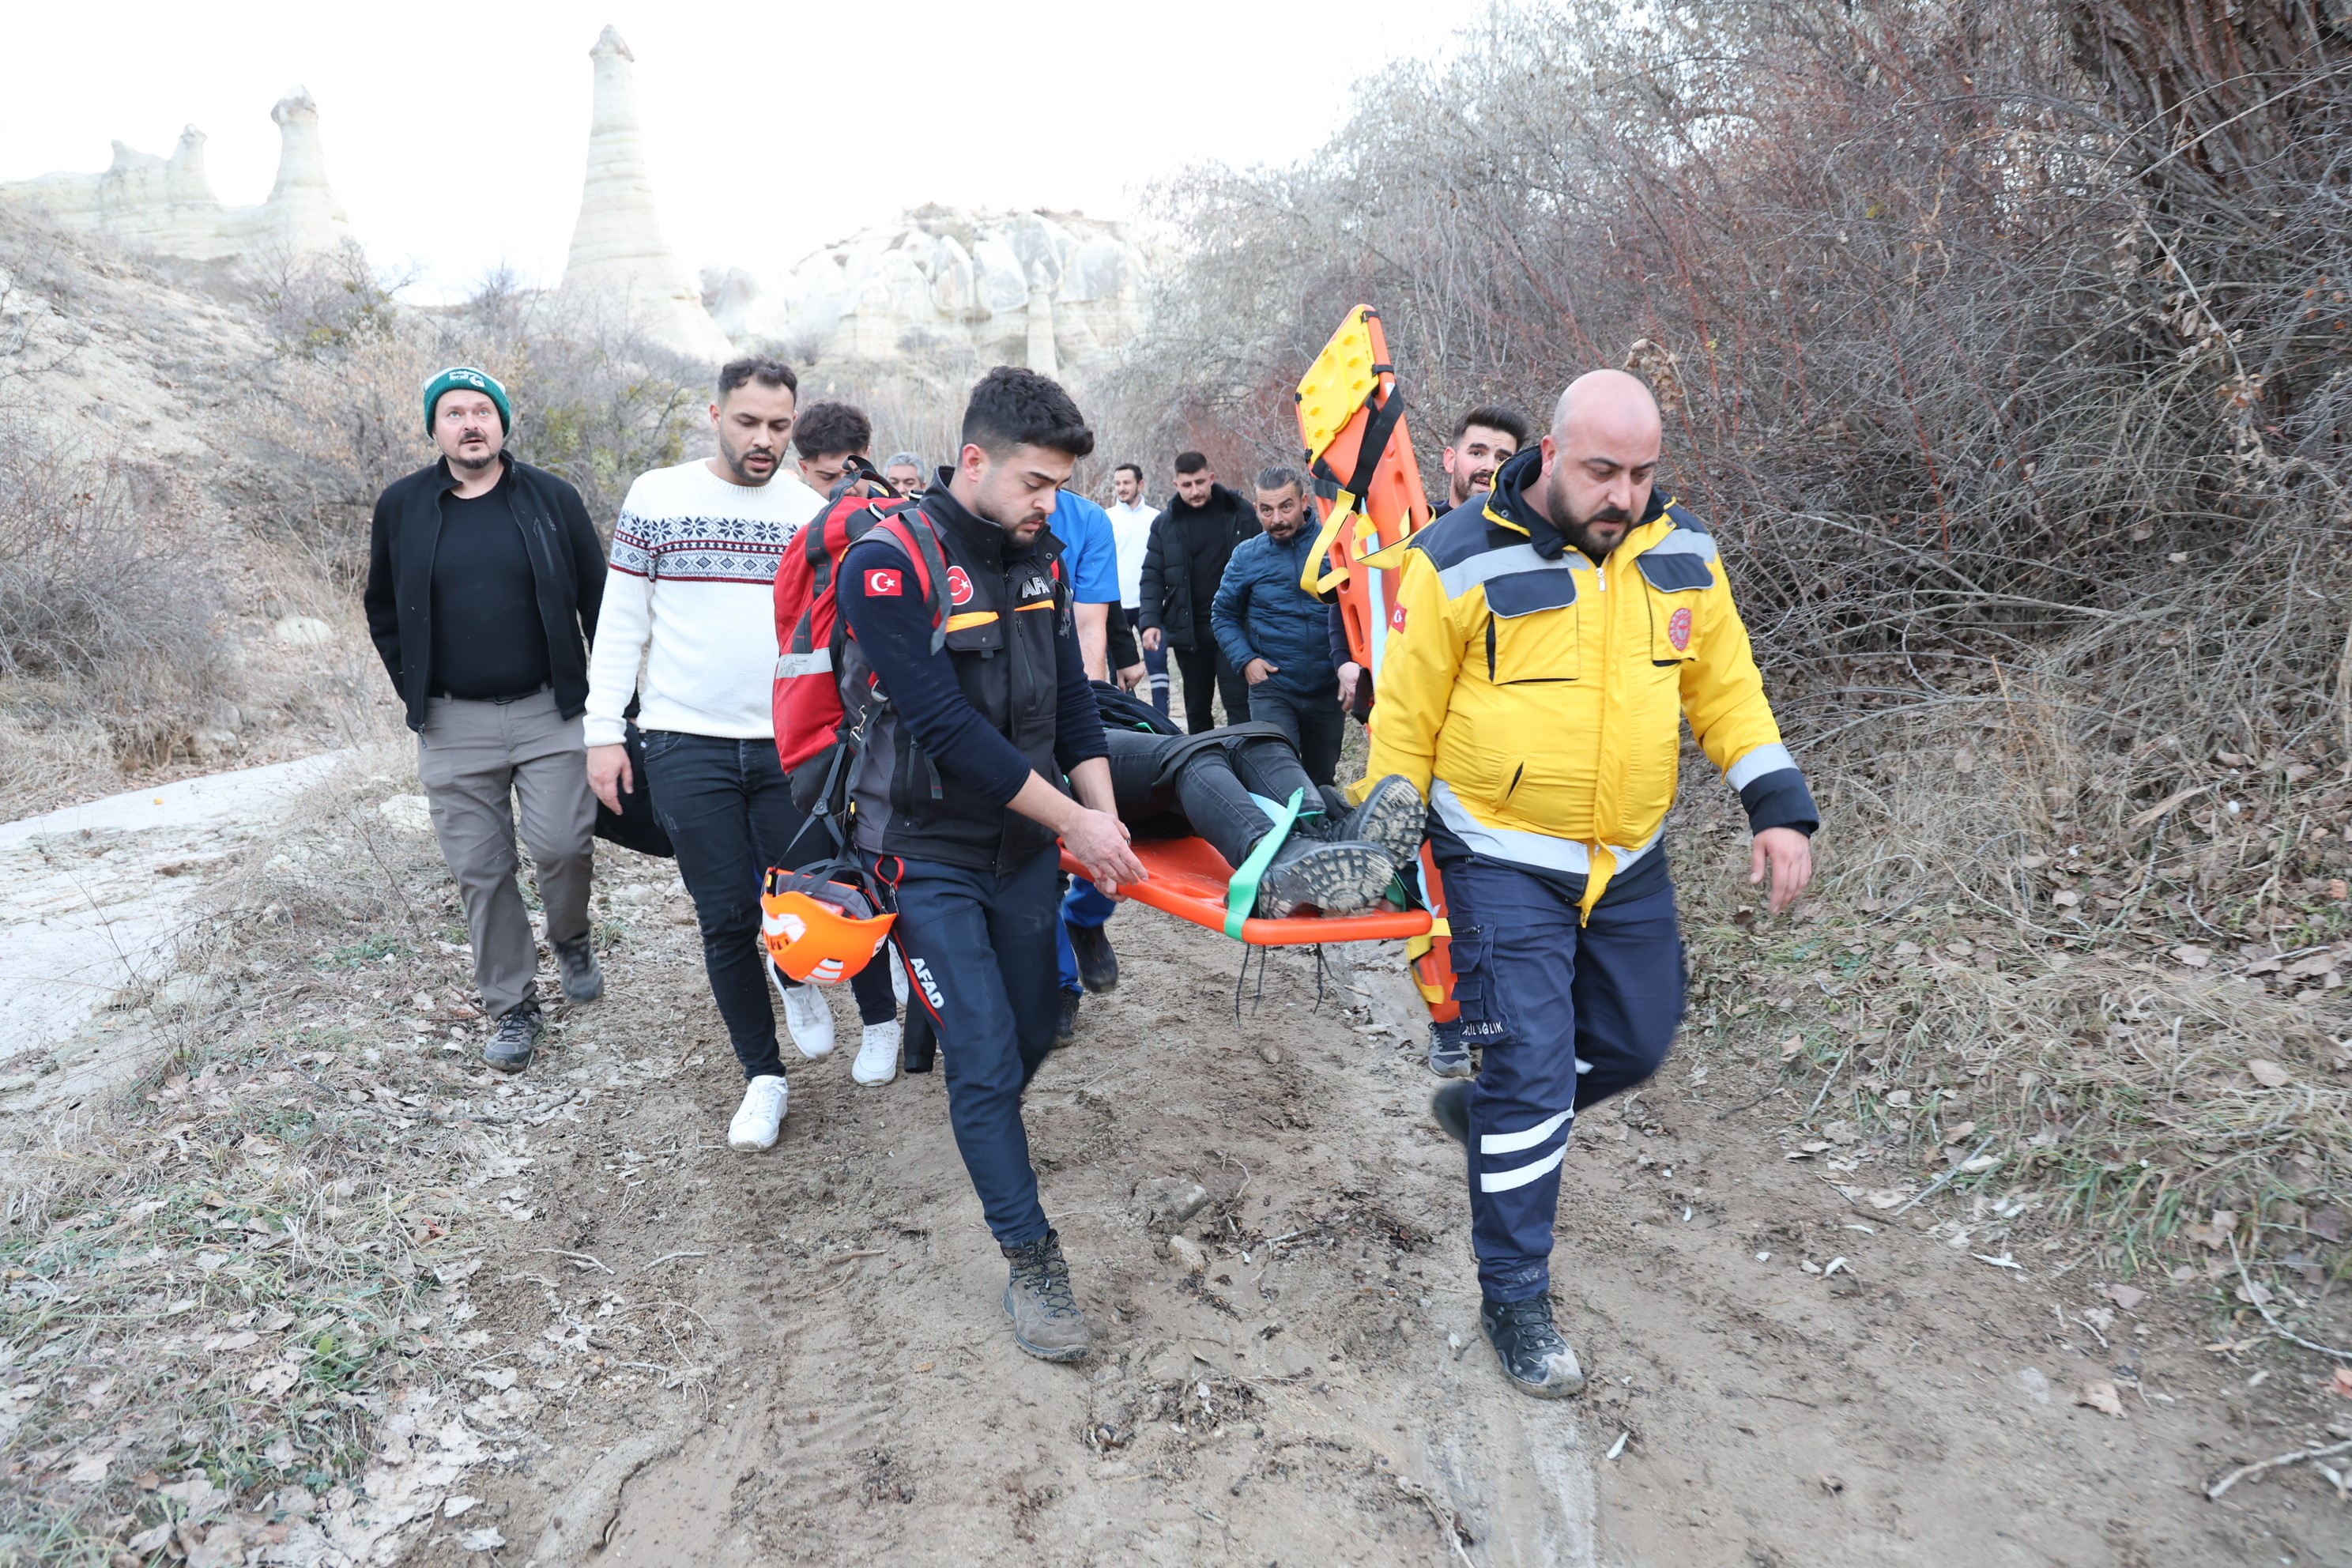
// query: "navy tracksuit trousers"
[[980, 953], [1567, 1016]]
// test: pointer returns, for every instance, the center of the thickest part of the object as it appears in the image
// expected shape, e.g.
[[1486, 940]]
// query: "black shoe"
[[1046, 1322], [1065, 1033], [1451, 1106], [520, 1029], [576, 962], [1393, 817], [1534, 1357], [1336, 878], [918, 1047], [1449, 1051], [1098, 964]]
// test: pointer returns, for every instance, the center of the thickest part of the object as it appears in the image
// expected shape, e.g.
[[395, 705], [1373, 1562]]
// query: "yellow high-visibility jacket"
[[1535, 698]]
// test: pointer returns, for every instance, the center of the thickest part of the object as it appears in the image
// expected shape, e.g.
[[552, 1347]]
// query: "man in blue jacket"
[[1273, 631]]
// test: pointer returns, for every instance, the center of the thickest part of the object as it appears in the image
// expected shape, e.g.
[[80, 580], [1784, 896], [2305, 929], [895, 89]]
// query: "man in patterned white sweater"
[[689, 594]]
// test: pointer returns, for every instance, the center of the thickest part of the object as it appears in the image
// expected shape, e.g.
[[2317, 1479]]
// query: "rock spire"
[[619, 260]]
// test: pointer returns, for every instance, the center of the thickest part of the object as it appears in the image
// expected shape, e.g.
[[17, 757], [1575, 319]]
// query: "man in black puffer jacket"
[[1191, 542]]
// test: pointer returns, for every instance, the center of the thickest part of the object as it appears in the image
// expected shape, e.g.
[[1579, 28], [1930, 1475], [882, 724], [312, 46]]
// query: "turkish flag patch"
[[1679, 630], [959, 585], [882, 582], [1396, 619]]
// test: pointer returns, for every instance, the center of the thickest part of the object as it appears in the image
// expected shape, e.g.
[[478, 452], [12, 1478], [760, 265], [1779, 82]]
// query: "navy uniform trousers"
[[1567, 1016]]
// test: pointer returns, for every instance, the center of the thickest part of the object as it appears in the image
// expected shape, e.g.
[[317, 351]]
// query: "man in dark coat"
[[1191, 542], [484, 580]]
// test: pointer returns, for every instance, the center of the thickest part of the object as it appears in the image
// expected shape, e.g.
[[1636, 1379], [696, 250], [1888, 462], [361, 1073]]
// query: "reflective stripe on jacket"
[[1536, 698]]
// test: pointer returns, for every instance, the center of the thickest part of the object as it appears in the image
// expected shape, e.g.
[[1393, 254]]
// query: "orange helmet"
[[818, 931]]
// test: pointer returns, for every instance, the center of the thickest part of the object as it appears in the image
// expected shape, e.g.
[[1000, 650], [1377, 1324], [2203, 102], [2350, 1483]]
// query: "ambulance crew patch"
[[884, 583], [1679, 630], [959, 585]]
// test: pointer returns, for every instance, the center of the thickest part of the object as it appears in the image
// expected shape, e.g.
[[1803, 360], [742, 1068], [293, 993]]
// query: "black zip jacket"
[[1190, 546], [567, 569]]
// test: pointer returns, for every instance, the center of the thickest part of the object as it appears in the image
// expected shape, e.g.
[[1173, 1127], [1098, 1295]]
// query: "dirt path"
[[799, 1356]]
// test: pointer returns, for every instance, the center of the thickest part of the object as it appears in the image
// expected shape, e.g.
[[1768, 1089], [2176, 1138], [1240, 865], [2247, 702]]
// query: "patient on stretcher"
[[1233, 786]]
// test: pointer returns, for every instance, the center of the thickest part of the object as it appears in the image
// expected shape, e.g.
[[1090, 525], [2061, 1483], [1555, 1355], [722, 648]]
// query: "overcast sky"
[[455, 137]]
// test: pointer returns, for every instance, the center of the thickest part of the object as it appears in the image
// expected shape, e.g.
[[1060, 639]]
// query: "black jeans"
[[1314, 724], [729, 813], [1212, 788], [1205, 672]]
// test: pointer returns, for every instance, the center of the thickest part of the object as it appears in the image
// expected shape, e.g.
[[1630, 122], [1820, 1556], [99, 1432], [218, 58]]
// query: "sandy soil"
[[846, 1389]]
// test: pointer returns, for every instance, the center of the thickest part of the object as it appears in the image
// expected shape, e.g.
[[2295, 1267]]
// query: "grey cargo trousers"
[[472, 757]]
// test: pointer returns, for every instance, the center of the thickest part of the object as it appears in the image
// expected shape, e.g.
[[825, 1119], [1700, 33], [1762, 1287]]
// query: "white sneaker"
[[898, 976], [761, 1117], [806, 1015], [878, 1055]]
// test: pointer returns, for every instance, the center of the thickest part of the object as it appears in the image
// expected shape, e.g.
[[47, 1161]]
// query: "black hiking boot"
[[1393, 817], [576, 962], [1046, 1322], [1449, 1051], [1065, 1033], [1534, 1357], [519, 1028], [1451, 1106], [1098, 964], [1338, 878]]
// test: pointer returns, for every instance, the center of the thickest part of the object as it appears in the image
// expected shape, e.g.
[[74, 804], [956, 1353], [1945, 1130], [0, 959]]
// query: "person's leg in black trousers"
[[1197, 667], [1235, 689]]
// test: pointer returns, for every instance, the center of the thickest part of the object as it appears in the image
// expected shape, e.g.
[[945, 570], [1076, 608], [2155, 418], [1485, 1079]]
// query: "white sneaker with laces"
[[878, 1055], [806, 1015], [761, 1118]]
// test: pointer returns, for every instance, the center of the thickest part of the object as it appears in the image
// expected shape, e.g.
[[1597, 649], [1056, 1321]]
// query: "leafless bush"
[[105, 600], [594, 401]]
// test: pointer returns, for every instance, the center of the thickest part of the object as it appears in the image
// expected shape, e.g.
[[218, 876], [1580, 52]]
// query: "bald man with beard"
[[1543, 654]]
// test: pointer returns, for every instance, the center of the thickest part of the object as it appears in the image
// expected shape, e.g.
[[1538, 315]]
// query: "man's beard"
[[1579, 531], [1461, 490], [736, 459], [474, 465]]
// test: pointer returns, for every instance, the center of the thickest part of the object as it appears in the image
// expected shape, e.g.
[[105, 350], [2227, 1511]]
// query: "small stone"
[[1187, 1254]]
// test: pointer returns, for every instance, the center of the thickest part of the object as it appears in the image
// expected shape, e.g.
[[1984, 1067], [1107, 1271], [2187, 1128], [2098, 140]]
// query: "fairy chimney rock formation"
[[619, 260], [167, 205]]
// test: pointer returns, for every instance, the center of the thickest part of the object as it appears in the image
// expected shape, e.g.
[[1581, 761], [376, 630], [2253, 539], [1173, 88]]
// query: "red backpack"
[[809, 628]]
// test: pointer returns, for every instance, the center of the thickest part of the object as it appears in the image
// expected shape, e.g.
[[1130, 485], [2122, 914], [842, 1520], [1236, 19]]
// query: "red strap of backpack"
[[930, 566]]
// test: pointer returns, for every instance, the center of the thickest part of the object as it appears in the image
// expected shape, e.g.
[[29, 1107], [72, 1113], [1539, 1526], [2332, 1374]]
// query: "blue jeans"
[[1567, 1016], [1084, 905], [979, 952], [729, 813]]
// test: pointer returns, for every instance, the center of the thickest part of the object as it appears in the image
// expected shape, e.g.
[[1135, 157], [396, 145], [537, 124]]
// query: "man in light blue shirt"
[[1090, 555]]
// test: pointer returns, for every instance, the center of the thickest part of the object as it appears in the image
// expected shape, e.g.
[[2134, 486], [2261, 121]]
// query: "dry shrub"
[[594, 401], [109, 602]]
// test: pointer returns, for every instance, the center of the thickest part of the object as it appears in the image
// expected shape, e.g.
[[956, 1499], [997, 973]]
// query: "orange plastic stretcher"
[[1188, 880]]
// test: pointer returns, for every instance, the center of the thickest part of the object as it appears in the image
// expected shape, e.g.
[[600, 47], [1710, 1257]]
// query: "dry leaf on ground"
[[2101, 1396]]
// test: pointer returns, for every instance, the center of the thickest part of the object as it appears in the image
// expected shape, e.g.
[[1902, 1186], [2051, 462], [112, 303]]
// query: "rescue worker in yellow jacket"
[[1542, 655]]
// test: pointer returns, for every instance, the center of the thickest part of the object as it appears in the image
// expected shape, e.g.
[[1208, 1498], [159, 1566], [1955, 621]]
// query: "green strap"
[[1241, 893]]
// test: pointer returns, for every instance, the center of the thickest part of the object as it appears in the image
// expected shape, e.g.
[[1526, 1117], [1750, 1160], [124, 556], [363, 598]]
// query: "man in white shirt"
[[689, 594], [1130, 527]]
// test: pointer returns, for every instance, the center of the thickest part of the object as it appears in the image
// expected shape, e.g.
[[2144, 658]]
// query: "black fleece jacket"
[[567, 569]]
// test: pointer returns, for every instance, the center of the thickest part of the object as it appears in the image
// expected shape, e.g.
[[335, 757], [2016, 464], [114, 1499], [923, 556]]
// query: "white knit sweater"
[[690, 595]]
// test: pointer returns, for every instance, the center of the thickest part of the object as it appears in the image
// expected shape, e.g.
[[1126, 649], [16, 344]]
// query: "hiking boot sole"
[[1337, 878], [1392, 817]]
